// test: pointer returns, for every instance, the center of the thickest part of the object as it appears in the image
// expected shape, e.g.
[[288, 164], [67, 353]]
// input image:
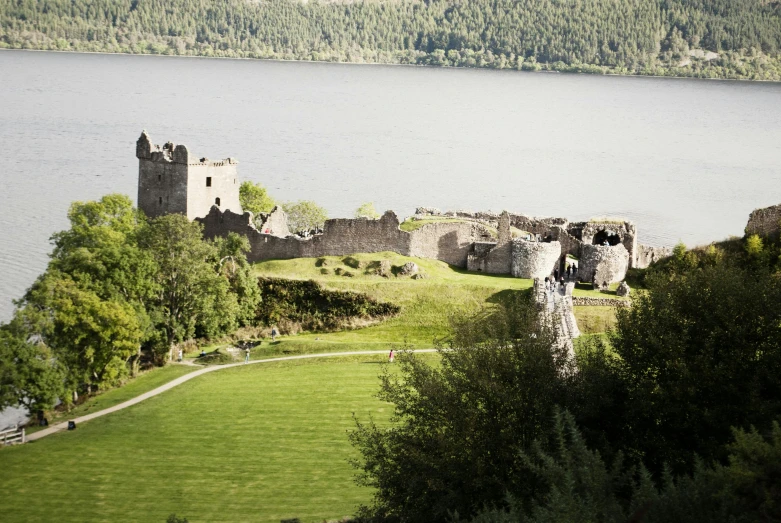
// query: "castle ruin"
[[170, 181]]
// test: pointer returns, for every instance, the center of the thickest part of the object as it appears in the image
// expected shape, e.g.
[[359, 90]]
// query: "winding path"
[[187, 377]]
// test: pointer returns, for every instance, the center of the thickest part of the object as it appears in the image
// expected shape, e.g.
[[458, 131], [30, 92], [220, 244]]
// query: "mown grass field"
[[257, 443], [135, 387]]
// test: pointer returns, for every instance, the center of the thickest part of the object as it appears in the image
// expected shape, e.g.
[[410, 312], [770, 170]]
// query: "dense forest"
[[699, 38]]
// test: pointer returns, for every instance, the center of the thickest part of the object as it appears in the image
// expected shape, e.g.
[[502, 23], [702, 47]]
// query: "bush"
[[314, 307]]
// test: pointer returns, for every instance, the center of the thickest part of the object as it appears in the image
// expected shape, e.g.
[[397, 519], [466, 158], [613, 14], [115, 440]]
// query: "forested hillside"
[[703, 38]]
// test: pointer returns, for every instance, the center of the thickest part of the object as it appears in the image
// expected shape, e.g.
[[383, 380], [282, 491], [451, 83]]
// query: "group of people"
[[571, 272]]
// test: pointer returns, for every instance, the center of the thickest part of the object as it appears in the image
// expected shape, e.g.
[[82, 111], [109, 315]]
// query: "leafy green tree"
[[698, 353], [91, 338], [236, 269], [255, 198], [192, 297], [304, 216], [100, 252], [459, 431], [367, 210], [29, 373]]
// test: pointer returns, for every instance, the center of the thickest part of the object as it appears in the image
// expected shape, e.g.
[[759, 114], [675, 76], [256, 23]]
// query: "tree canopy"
[[119, 288], [255, 198], [673, 417], [701, 38], [304, 216]]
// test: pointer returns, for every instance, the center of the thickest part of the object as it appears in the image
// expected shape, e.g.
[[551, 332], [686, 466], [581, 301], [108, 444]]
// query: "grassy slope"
[[426, 303], [257, 443]]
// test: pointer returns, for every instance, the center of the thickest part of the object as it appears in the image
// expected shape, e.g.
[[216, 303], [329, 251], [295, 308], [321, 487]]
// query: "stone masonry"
[[534, 259], [603, 264], [765, 222], [171, 180]]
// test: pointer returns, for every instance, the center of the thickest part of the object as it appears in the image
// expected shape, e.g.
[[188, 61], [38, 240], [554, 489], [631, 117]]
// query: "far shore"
[[292, 60]]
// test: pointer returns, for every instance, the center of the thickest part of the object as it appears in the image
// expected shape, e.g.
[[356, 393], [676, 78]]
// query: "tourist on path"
[[556, 274], [274, 334], [569, 271], [246, 355], [180, 356], [390, 356]]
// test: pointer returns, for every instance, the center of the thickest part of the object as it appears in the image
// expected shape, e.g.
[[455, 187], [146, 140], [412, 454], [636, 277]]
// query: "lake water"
[[685, 159]]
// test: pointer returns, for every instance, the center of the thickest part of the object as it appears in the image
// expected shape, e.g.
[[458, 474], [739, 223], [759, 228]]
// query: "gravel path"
[[187, 377]]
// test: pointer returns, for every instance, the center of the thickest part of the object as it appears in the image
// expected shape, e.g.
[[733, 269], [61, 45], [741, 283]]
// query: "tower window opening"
[[159, 177], [217, 202], [208, 181], [160, 201]]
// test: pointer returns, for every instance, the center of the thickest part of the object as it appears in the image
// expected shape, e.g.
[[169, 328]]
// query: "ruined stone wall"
[[647, 255], [581, 301], [447, 242], [765, 222], [353, 235], [569, 244], [603, 264], [274, 223], [542, 226], [263, 246], [490, 258], [534, 259]]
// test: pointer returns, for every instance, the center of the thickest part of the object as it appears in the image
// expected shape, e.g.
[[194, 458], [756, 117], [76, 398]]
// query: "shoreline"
[[446, 67]]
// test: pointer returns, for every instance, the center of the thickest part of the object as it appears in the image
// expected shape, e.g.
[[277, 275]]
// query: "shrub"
[[313, 307]]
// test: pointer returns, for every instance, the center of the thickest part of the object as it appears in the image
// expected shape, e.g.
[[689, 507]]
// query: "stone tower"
[[170, 181]]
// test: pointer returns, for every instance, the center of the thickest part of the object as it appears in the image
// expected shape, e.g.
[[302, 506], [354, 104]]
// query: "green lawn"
[[426, 303], [595, 320], [143, 383], [256, 443]]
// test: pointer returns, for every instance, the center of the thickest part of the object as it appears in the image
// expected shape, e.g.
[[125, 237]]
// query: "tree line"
[[120, 290], [673, 416], [592, 36]]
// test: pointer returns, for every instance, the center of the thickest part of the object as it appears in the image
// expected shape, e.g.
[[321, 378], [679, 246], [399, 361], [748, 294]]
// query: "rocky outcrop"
[[409, 269]]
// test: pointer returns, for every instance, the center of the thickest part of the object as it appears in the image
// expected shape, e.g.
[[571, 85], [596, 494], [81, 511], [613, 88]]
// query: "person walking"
[[390, 356], [556, 274], [274, 333], [180, 356], [246, 355], [569, 271]]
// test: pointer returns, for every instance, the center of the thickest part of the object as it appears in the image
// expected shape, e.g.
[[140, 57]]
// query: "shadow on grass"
[[508, 296]]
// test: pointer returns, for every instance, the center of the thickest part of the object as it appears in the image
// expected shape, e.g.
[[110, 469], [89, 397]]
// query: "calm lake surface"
[[685, 159]]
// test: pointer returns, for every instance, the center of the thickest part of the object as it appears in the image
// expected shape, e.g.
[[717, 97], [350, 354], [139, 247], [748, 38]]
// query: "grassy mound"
[[426, 303]]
